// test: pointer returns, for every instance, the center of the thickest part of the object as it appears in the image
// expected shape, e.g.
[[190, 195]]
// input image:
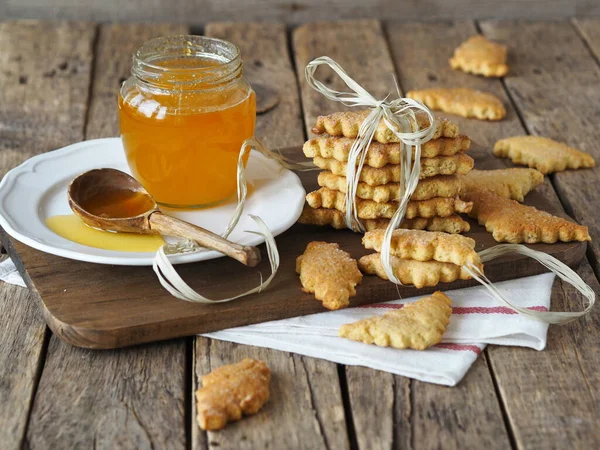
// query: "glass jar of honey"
[[184, 114]]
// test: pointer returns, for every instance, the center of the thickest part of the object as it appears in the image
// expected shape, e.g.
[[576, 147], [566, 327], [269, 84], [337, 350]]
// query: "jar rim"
[[146, 68]]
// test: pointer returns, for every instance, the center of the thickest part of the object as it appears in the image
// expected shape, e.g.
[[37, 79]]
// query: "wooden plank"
[[306, 409], [421, 53], [392, 411], [294, 417], [92, 313], [551, 397], [358, 46], [267, 64], [201, 11], [554, 89], [130, 398], [44, 87], [38, 111], [558, 76], [578, 189], [116, 43], [589, 29], [511, 366], [396, 412], [22, 332]]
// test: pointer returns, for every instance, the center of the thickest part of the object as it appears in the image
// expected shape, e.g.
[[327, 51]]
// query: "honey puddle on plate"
[[71, 227]]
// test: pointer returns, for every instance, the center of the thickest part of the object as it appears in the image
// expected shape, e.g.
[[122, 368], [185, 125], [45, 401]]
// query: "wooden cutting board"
[[100, 306]]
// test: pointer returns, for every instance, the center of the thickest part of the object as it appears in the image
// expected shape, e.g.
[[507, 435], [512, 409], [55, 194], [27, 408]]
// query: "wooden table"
[[58, 84]]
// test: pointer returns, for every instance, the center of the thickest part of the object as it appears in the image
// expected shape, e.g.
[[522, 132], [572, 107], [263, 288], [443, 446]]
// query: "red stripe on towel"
[[462, 309], [460, 347]]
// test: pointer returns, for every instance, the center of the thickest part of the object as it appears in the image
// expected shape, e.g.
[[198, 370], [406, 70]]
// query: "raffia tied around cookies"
[[166, 273], [399, 116], [564, 272]]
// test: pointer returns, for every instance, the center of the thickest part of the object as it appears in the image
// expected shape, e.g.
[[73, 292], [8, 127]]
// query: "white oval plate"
[[37, 189]]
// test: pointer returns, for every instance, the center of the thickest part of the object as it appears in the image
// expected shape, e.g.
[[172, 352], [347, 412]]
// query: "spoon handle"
[[170, 226]]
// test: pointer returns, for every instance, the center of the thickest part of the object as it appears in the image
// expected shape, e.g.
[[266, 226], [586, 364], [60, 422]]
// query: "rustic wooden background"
[[295, 11], [57, 86]]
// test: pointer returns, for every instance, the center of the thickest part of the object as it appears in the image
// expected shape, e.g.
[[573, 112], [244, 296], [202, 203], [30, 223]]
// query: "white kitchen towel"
[[476, 320]]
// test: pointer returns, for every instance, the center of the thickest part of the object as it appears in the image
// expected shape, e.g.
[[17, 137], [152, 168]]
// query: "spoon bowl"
[[112, 200]]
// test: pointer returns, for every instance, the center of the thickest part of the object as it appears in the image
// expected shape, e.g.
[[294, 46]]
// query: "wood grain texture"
[[589, 30], [551, 397], [267, 63], [131, 398], [391, 411], [358, 46], [91, 313], [43, 86], [112, 63], [441, 39], [395, 412], [201, 11], [306, 410], [120, 399], [45, 76], [292, 418], [421, 52], [553, 82], [22, 332]]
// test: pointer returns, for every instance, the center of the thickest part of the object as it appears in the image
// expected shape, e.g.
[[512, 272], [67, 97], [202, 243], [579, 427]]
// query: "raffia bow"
[[399, 116]]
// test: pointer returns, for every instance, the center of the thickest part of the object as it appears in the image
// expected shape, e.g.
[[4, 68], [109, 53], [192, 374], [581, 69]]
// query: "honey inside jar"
[[184, 115]]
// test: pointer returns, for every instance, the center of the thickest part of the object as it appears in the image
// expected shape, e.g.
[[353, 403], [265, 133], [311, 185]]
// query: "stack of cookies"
[[435, 204], [421, 258]]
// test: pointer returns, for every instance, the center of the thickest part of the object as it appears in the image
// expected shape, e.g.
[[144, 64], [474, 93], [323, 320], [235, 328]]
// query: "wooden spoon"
[[113, 200]]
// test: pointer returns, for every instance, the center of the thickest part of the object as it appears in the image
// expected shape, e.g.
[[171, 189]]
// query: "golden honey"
[[118, 204], [184, 115], [72, 227]]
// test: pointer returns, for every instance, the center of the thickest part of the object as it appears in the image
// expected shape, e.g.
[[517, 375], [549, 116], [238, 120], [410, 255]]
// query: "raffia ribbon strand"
[[562, 270], [399, 117], [166, 273]]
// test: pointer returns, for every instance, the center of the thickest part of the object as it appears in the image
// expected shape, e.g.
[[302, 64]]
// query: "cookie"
[[368, 209], [480, 56], [418, 273], [426, 246], [463, 102], [378, 155], [509, 221], [336, 219], [417, 325], [231, 391], [438, 186], [508, 183], [347, 123], [430, 167], [328, 272], [543, 154]]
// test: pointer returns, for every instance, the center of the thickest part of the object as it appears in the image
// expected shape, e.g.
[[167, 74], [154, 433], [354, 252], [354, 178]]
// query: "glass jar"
[[184, 114]]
